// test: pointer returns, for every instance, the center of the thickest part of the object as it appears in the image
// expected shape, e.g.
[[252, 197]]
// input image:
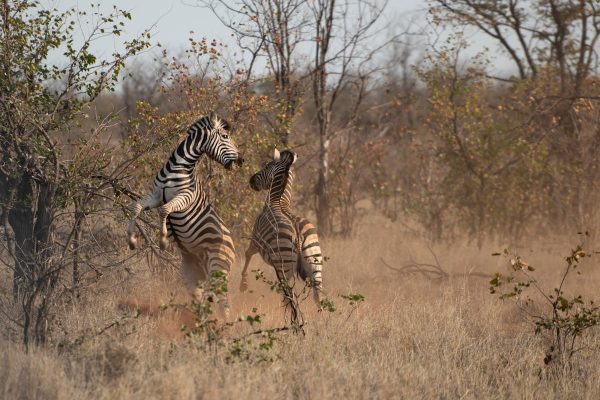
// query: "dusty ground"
[[411, 338]]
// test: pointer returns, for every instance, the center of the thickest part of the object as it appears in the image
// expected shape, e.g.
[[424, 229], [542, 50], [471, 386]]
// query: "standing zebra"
[[288, 243], [186, 215]]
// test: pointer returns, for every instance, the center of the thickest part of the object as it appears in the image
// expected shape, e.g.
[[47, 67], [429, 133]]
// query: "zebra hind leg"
[[311, 258], [312, 266], [194, 275], [219, 283], [291, 304]]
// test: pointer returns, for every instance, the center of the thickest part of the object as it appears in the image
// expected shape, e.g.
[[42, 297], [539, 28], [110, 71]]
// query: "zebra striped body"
[[204, 241], [285, 241], [187, 217]]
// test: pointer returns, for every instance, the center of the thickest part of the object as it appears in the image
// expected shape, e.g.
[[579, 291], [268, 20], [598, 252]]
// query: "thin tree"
[[40, 101], [342, 38], [271, 31], [345, 44], [536, 34], [549, 41]]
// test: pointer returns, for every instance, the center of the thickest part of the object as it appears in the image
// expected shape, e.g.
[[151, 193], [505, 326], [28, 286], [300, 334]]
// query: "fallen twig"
[[432, 271]]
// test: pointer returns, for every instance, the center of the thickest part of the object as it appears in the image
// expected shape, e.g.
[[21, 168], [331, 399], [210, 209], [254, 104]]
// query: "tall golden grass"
[[412, 337]]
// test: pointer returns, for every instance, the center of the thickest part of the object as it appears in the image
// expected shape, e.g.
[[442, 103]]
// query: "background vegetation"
[[416, 161]]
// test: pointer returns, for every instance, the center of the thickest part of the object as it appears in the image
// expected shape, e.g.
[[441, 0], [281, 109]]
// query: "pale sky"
[[174, 19]]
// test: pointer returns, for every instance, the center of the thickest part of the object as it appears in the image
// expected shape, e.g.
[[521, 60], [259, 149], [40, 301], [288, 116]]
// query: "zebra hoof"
[[226, 313], [163, 243], [318, 297], [133, 241], [243, 285]]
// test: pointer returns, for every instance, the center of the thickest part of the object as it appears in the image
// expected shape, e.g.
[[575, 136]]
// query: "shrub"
[[567, 317]]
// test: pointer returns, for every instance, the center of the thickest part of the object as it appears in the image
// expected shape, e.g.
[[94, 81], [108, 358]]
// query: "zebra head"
[[263, 179], [213, 138]]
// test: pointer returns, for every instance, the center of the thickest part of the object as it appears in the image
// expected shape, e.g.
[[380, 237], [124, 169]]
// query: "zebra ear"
[[276, 155], [212, 117], [295, 158]]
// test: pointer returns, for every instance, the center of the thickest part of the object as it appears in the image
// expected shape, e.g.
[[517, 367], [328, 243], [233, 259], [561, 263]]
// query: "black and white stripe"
[[285, 241], [186, 216]]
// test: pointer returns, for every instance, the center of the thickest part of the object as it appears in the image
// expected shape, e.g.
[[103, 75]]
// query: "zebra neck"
[[202, 198], [185, 155], [280, 195]]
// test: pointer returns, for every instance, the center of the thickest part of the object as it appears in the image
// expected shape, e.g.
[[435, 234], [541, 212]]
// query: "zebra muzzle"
[[239, 161], [253, 184]]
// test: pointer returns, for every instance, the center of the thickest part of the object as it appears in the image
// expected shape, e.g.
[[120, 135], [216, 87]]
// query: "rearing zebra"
[[288, 243], [186, 215]]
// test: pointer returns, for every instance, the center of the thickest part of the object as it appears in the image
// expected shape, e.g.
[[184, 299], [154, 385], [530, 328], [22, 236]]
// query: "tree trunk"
[[34, 276], [76, 248], [323, 217], [481, 214], [9, 195], [21, 219]]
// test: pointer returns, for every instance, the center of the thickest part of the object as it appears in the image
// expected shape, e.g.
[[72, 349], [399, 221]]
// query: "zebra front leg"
[[178, 203], [250, 252], [163, 213], [146, 203]]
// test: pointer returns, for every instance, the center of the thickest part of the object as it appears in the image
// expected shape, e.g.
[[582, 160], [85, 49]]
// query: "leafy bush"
[[567, 317]]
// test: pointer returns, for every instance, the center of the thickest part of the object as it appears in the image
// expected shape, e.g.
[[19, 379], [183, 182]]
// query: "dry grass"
[[412, 338]]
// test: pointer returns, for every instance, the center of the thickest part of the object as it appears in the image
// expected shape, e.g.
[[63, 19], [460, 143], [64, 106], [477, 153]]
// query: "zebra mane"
[[202, 123], [285, 173], [222, 123], [213, 121]]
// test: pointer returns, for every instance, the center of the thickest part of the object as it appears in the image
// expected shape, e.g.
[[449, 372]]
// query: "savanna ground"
[[412, 337]]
